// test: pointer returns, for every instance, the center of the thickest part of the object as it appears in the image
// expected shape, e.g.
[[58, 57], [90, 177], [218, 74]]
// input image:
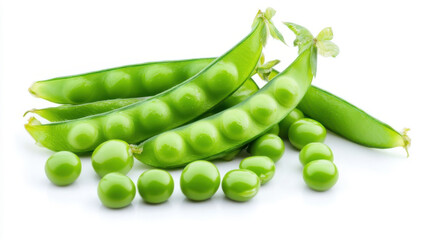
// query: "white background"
[[382, 68]]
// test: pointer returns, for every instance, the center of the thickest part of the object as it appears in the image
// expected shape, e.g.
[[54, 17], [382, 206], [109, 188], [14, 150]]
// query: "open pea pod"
[[169, 109], [215, 136], [131, 81], [70, 111]]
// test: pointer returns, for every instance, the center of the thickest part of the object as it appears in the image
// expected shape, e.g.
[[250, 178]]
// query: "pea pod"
[[70, 111], [167, 110], [351, 122], [217, 135], [130, 81]]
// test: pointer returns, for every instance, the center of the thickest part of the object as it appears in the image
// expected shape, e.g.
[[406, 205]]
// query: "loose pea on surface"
[[200, 180], [315, 151], [63, 168], [261, 165], [320, 175], [305, 131], [240, 185], [116, 190], [269, 145], [155, 186], [112, 156], [284, 124]]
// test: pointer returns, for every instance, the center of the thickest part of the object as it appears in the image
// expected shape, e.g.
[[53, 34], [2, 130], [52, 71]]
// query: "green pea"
[[188, 99], [169, 147], [116, 190], [315, 151], [269, 145], [204, 137], [112, 156], [286, 91], [118, 84], [305, 131], [82, 136], [78, 90], [200, 180], [155, 186], [119, 126], [284, 124], [222, 78], [155, 116], [275, 129], [262, 166], [63, 168], [240, 185], [263, 108], [235, 124], [320, 175], [158, 78]]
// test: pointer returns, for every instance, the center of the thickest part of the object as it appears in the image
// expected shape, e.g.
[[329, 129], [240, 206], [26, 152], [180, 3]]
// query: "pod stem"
[[406, 139], [135, 149], [269, 28]]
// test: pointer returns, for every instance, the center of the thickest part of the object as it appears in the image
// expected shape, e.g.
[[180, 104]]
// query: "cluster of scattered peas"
[[200, 180]]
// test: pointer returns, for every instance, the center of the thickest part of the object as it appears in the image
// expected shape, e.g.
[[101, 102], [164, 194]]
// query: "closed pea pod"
[[157, 114], [351, 122], [238, 125]]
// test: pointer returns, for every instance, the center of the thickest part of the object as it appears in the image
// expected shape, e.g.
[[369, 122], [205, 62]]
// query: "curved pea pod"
[[349, 121], [167, 110], [130, 81], [217, 135], [70, 111]]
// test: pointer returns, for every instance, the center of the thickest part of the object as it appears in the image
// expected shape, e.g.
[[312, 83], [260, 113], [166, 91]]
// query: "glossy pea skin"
[[112, 156], [320, 175], [240, 185], [275, 130], [155, 186], [262, 166], [305, 131], [315, 151], [285, 124], [116, 190], [199, 180], [269, 145], [63, 168]]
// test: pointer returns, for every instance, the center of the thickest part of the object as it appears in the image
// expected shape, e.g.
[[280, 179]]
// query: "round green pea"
[[155, 186], [188, 99], [169, 147], [118, 84], [240, 185], [157, 78], [82, 136], [235, 124], [261, 165], [78, 90], [269, 145], [263, 108], [155, 116], [315, 151], [112, 156], [320, 175], [284, 124], [203, 137], [221, 78], [200, 180], [274, 130], [116, 190], [305, 131], [63, 168], [286, 91], [119, 126]]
